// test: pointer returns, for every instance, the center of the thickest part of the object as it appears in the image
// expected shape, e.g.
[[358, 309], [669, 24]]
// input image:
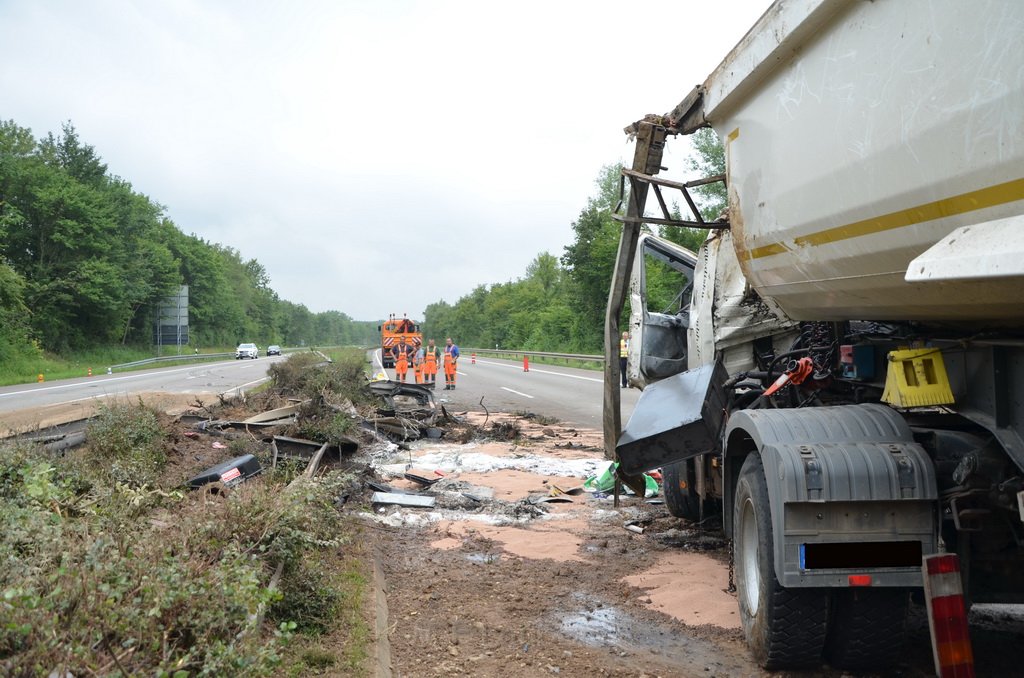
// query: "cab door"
[[660, 291]]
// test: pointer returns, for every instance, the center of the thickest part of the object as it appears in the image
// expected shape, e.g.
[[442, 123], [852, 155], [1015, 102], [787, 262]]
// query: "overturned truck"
[[842, 373]]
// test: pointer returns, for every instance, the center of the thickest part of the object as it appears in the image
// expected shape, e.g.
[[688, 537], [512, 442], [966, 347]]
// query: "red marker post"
[[947, 617]]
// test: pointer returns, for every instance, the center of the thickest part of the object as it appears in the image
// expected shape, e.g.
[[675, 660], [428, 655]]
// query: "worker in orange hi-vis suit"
[[401, 356], [417, 365], [451, 358], [431, 357]]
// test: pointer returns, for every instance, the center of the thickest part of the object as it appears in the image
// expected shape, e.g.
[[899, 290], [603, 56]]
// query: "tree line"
[[85, 259], [558, 305]]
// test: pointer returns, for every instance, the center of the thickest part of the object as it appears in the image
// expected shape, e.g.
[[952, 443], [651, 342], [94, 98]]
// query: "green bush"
[[99, 579], [333, 429], [128, 441], [343, 379]]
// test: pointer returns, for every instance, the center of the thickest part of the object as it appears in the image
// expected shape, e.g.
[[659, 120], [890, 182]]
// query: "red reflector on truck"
[[860, 580]]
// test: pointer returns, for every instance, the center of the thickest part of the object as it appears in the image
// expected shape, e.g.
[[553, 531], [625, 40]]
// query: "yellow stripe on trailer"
[[989, 196]]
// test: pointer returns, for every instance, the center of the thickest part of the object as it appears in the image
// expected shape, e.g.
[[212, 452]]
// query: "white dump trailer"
[[844, 374]]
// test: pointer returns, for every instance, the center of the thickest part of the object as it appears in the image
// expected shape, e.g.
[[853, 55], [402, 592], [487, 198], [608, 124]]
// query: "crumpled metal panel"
[[674, 419], [726, 315]]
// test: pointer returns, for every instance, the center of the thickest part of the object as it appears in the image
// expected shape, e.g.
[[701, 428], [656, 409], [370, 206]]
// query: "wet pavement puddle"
[[606, 626]]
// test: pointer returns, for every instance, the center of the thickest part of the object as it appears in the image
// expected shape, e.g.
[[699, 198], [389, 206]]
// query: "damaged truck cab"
[[839, 375]]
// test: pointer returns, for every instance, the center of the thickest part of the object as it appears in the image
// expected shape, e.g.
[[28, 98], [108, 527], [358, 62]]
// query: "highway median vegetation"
[[26, 366], [111, 566]]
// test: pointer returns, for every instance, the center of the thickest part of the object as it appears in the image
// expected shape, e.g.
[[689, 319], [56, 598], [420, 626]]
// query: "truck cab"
[[394, 329], [840, 374]]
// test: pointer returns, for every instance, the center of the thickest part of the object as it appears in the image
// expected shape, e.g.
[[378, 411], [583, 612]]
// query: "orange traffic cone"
[[526, 363]]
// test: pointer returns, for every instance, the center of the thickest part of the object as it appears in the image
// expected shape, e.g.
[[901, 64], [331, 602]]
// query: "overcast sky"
[[374, 156]]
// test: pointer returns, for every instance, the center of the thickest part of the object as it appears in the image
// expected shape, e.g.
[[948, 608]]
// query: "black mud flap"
[[674, 419]]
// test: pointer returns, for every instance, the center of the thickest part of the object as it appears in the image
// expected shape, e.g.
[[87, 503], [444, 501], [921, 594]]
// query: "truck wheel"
[[679, 485], [785, 628], [867, 628]]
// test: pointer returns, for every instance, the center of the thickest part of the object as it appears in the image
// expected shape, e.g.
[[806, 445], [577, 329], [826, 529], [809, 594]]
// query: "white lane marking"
[[239, 388], [533, 369], [107, 381], [517, 392], [118, 394], [98, 396]]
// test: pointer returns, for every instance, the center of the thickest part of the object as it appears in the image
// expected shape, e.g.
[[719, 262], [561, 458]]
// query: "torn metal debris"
[[573, 491], [275, 417], [280, 416], [316, 453], [384, 487], [407, 411], [426, 482], [549, 499], [65, 442], [411, 500]]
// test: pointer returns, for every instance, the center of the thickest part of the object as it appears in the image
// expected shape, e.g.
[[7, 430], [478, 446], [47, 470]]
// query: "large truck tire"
[[785, 628], [679, 485], [867, 628]]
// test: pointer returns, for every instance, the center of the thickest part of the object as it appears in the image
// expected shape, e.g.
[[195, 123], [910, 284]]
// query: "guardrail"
[[171, 358], [533, 354], [186, 357]]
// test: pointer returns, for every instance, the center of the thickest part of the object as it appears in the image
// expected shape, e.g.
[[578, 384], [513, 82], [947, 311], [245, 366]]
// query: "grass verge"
[[108, 566], [24, 370]]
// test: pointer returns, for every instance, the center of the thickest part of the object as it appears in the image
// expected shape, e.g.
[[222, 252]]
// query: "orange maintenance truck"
[[394, 328]]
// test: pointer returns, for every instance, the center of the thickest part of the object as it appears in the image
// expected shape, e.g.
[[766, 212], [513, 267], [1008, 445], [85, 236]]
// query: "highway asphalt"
[[568, 394]]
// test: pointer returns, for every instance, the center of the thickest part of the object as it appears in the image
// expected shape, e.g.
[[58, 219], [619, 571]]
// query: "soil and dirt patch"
[[506, 584], [517, 585]]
